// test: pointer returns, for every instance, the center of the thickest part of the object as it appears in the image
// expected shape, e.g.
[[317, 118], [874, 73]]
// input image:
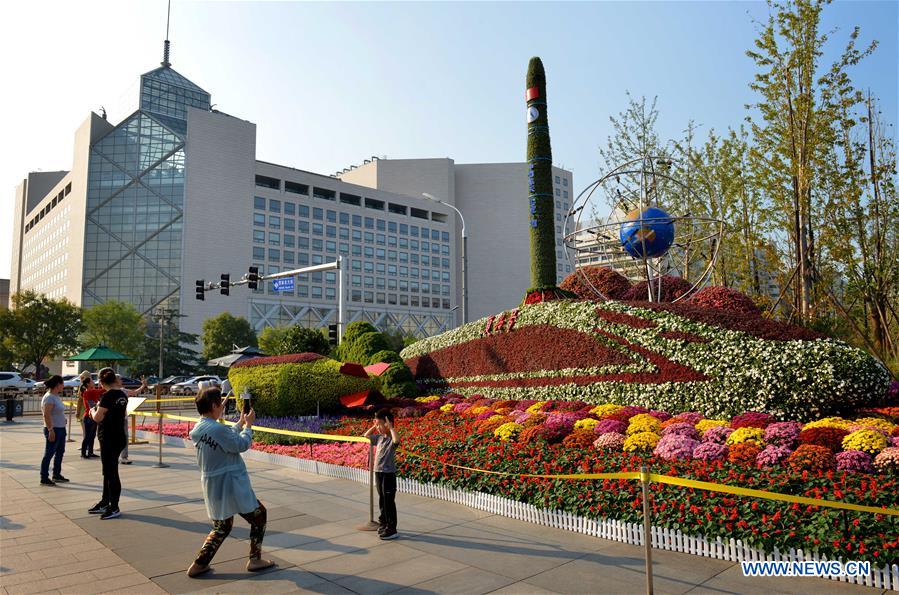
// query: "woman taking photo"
[[54, 412], [110, 414]]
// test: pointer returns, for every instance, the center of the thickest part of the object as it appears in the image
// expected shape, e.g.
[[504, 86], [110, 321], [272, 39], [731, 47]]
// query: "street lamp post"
[[464, 255]]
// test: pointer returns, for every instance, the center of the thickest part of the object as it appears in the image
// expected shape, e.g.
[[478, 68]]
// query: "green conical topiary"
[[540, 180]]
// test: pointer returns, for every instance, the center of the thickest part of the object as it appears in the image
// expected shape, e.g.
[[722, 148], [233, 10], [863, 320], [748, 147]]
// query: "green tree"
[[222, 332], [270, 339], [38, 327], [299, 339], [180, 355], [118, 325]]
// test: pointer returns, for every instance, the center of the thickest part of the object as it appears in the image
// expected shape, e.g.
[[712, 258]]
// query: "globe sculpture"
[[647, 234], [642, 221]]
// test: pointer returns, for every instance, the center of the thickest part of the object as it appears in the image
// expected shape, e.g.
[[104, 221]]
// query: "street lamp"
[[464, 255]]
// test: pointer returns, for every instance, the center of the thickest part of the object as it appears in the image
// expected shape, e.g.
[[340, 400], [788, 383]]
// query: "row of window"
[[331, 231], [48, 207], [344, 198], [563, 180], [318, 214], [345, 248]]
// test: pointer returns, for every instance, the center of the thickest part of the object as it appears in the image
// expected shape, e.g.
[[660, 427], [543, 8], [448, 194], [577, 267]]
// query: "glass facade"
[[135, 197]]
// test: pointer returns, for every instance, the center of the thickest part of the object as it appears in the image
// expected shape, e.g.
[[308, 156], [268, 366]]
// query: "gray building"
[[175, 193], [4, 294]]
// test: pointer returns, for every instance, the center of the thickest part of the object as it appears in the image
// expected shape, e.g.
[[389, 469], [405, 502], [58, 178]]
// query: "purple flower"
[[486, 414], [783, 433], [752, 419], [660, 415], [628, 411], [855, 461], [681, 429], [710, 451], [772, 455], [461, 407], [675, 447], [610, 425], [524, 404], [717, 434]]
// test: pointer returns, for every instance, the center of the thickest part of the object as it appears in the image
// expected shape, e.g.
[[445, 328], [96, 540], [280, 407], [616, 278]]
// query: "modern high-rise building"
[[174, 193]]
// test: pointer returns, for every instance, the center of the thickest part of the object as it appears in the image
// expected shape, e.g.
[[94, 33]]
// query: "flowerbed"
[[677, 357], [751, 450]]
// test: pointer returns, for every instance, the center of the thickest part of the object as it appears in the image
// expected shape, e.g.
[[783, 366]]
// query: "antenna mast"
[[166, 43]]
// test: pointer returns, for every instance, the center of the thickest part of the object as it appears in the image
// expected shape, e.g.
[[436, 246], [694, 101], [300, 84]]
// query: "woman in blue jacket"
[[226, 483]]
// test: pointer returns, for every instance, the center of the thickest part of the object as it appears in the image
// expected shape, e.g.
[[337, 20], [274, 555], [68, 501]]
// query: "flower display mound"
[[724, 298], [677, 357], [672, 288], [295, 384], [586, 281]]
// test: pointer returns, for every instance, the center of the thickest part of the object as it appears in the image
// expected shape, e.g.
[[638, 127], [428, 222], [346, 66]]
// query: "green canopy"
[[100, 353]]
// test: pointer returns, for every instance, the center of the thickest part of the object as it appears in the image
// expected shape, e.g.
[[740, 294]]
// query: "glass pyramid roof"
[[168, 75]]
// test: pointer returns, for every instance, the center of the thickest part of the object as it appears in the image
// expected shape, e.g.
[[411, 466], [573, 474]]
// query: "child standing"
[[383, 435], [226, 483]]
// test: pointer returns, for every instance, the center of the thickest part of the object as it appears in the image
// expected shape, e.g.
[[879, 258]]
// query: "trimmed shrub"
[[610, 283], [360, 348], [295, 388], [724, 298], [386, 356], [397, 380], [672, 288], [298, 339]]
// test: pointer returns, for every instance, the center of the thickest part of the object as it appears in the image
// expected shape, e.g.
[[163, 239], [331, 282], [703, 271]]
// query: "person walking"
[[383, 435], [90, 396], [226, 483], [54, 412], [110, 414]]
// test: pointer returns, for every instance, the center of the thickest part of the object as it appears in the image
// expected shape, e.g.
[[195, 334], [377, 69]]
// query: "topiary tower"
[[540, 189]]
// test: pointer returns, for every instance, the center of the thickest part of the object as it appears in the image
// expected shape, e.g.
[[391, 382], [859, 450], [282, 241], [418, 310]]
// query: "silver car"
[[13, 383]]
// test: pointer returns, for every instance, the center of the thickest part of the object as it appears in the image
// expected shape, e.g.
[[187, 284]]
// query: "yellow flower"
[[870, 441], [828, 422], [643, 441], [477, 410], [706, 424], [536, 407], [643, 422], [447, 408], [606, 409], [876, 422], [507, 431], [427, 399], [588, 423], [741, 435]]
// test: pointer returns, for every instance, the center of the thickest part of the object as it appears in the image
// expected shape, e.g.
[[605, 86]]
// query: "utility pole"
[[162, 315]]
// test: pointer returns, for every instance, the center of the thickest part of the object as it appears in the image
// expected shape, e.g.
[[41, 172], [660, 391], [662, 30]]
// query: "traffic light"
[[253, 278], [225, 285], [332, 334], [201, 289]]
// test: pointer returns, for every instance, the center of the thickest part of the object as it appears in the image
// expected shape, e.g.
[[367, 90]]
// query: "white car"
[[12, 382], [192, 385]]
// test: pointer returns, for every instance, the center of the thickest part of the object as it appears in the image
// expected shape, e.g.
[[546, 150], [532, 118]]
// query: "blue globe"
[[647, 234]]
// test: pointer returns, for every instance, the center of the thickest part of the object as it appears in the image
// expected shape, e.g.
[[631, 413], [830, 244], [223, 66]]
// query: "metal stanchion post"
[[371, 525], [647, 528], [160, 464], [69, 431]]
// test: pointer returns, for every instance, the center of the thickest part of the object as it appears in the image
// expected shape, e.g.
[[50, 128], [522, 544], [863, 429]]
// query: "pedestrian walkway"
[[48, 542]]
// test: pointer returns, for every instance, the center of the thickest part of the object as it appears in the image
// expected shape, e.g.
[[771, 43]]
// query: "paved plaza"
[[49, 543]]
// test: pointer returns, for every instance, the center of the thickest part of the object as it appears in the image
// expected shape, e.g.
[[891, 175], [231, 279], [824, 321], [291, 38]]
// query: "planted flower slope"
[[677, 357]]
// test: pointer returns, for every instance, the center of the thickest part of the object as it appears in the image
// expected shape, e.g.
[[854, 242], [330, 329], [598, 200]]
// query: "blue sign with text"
[[283, 284]]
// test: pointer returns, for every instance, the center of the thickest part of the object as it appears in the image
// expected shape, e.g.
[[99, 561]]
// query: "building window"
[[369, 297], [330, 293], [274, 255], [303, 226], [369, 223], [414, 301], [267, 182], [274, 239], [380, 239], [404, 243], [274, 222], [316, 292], [323, 193], [557, 179], [259, 219], [258, 253], [356, 296], [318, 229], [303, 211], [404, 300], [317, 245], [274, 206], [288, 257], [303, 242], [258, 236], [371, 203], [344, 248], [331, 231], [318, 214], [356, 281], [404, 229], [381, 225], [369, 237], [357, 250], [331, 247], [369, 252], [259, 203], [380, 298], [356, 265], [350, 199], [418, 213], [564, 181], [296, 188]]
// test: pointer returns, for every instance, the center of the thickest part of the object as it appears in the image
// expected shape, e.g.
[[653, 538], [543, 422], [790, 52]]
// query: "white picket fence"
[[733, 550]]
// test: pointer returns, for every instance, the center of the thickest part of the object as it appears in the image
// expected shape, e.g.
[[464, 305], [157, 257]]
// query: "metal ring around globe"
[[704, 232]]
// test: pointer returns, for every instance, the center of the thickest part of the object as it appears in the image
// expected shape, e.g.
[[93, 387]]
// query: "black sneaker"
[[92, 456], [60, 479], [99, 508], [111, 513], [382, 530], [126, 461], [389, 534], [47, 482]]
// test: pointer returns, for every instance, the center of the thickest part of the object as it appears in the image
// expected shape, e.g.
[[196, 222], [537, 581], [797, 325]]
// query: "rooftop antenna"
[[166, 43]]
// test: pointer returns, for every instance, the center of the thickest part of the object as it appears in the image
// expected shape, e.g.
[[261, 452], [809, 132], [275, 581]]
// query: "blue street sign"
[[282, 284]]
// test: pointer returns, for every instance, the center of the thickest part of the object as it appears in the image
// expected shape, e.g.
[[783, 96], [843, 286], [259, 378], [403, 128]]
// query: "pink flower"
[[609, 441], [710, 451], [675, 447], [610, 425], [681, 429], [717, 434], [783, 433], [855, 461], [772, 455]]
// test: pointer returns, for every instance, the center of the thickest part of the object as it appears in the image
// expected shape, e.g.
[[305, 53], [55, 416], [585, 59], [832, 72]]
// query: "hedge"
[[296, 388]]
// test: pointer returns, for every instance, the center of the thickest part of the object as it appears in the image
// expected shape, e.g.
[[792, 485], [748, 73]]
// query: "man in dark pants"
[[383, 435]]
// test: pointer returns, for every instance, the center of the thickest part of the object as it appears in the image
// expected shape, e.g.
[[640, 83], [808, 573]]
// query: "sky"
[[331, 84]]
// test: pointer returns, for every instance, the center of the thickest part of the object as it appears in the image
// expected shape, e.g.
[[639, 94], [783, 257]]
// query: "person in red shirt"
[[91, 394]]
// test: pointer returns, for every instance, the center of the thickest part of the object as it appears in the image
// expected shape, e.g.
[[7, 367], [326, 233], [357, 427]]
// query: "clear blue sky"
[[329, 84]]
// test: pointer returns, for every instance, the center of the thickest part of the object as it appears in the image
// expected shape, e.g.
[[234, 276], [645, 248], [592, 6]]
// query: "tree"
[[270, 339], [38, 327], [180, 356], [299, 339], [118, 325], [221, 333]]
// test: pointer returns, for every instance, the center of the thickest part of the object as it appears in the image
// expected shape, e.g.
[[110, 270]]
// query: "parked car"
[[12, 382], [168, 382], [192, 385]]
